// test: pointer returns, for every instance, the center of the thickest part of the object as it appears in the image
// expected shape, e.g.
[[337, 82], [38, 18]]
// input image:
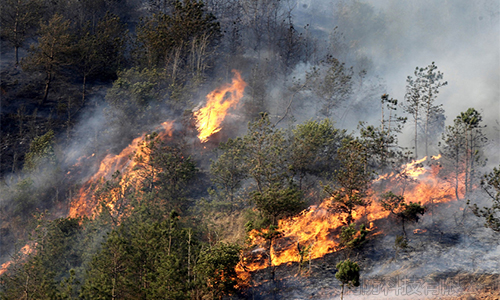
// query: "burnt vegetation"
[[83, 81]]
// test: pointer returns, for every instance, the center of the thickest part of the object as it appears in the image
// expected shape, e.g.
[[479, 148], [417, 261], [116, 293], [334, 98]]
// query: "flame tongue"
[[83, 204], [219, 101], [317, 229]]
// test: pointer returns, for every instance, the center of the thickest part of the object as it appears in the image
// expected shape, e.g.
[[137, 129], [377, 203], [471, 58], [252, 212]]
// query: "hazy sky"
[[461, 36]]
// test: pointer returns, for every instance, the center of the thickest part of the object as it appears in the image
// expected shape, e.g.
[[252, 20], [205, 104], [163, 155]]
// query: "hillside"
[[262, 149]]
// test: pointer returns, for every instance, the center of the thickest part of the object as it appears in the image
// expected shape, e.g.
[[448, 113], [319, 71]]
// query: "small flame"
[[24, 252], [4, 267], [414, 169], [219, 101]]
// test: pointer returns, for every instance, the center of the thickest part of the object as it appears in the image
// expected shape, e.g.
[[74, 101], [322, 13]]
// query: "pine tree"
[[421, 93], [52, 52], [352, 180], [347, 274], [462, 149]]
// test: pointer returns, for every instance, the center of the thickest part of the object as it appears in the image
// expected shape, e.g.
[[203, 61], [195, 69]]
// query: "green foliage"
[[59, 248], [263, 156], [52, 254], [331, 81], [400, 244], [267, 158], [276, 202], [347, 274], [491, 185], [163, 174], [352, 179], [166, 39], [421, 92], [52, 53], [396, 205], [266, 154], [143, 258], [99, 50], [41, 152], [135, 97], [256, 220], [217, 265], [28, 280], [25, 198], [412, 210], [230, 170], [277, 163], [462, 151], [380, 145], [353, 238], [314, 148], [19, 20]]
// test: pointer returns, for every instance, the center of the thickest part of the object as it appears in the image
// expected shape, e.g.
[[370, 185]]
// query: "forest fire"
[[218, 103], [208, 118], [315, 232], [83, 205], [23, 252]]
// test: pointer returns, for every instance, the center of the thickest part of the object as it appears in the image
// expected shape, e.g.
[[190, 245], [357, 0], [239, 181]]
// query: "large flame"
[[83, 205], [317, 229], [219, 101]]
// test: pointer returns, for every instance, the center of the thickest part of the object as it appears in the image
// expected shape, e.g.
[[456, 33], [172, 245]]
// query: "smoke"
[[394, 37], [387, 39]]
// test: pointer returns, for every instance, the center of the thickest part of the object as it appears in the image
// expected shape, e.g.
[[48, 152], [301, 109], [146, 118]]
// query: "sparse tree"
[[396, 205], [162, 33], [19, 19], [331, 82], [352, 238], [51, 53], [462, 149], [314, 149], [217, 265], [99, 50], [41, 152], [491, 214], [352, 180], [421, 93], [347, 274], [229, 170]]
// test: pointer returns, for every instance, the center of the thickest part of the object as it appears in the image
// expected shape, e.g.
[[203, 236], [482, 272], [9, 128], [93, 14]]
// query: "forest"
[[252, 149]]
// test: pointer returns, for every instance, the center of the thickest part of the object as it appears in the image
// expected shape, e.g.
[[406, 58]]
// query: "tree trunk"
[[416, 138], [48, 80], [404, 230], [427, 133], [270, 260], [472, 155], [189, 255], [467, 154], [84, 89], [16, 51]]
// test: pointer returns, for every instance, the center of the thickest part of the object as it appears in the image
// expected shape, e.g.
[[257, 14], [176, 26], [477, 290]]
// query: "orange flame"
[[318, 229], [24, 252], [83, 204], [414, 169], [4, 267], [219, 101]]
